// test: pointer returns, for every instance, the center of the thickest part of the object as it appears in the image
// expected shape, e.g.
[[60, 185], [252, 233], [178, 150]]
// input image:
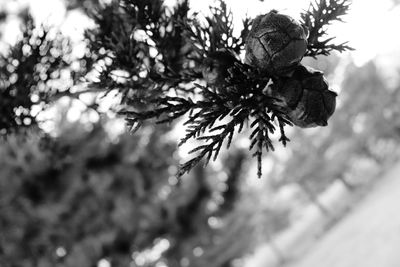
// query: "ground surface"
[[369, 236]]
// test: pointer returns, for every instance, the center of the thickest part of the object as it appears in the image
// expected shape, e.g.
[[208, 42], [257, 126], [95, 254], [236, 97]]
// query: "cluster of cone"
[[275, 45]]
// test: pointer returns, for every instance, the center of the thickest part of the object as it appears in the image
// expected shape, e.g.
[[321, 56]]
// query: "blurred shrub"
[[82, 197], [84, 194]]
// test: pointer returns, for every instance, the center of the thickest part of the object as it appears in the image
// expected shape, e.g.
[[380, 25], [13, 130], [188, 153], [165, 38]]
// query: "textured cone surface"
[[306, 97], [276, 43]]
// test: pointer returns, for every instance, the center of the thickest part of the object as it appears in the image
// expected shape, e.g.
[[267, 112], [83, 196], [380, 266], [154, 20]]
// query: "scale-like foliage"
[[318, 16], [218, 117], [163, 71], [217, 32]]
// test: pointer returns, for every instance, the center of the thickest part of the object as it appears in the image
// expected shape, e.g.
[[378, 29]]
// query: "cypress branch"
[[319, 15], [161, 87]]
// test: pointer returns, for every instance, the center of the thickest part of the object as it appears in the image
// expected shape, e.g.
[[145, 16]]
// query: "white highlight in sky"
[[370, 27], [103, 263]]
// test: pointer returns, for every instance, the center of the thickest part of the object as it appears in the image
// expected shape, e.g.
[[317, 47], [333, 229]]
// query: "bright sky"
[[371, 25]]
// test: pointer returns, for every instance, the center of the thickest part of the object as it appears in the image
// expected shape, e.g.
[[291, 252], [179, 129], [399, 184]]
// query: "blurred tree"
[[85, 5], [33, 72]]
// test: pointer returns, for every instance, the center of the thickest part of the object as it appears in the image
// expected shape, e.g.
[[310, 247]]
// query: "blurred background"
[[76, 189]]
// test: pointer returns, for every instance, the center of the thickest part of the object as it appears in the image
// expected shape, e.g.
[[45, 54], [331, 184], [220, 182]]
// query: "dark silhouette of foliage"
[[31, 74], [25, 71], [319, 15], [216, 115], [217, 32], [153, 56]]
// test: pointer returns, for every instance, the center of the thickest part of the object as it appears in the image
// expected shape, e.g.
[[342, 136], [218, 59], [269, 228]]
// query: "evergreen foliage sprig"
[[163, 71], [217, 117], [217, 32], [141, 40], [319, 15]]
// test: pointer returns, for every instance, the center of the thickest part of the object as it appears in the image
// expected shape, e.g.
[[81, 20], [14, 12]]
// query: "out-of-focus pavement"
[[369, 236]]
